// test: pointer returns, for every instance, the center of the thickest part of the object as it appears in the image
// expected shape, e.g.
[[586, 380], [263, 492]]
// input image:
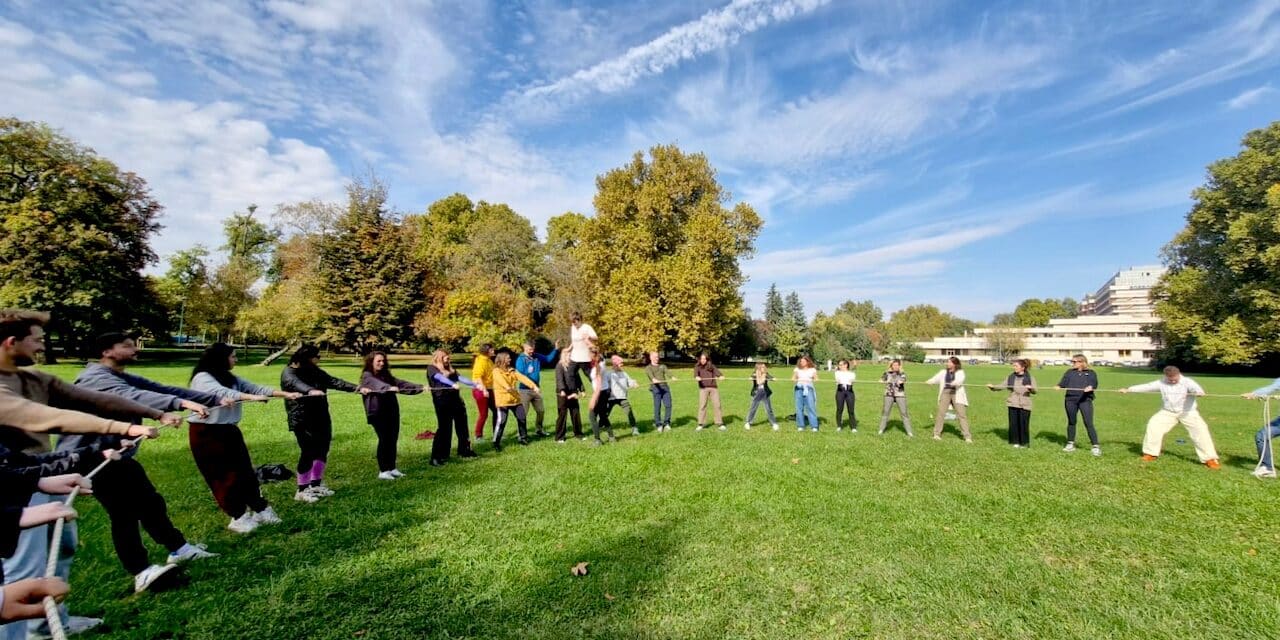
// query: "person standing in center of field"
[[582, 339], [895, 393], [708, 376], [382, 409], [309, 418], [451, 411], [1080, 382], [482, 393], [845, 397], [1021, 387], [760, 395], [218, 446], [530, 363], [1177, 405], [568, 391], [951, 394], [658, 379], [805, 375]]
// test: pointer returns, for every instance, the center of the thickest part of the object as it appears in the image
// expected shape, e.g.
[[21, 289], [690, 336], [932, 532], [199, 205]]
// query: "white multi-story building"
[[1114, 338], [1128, 293], [1113, 325]]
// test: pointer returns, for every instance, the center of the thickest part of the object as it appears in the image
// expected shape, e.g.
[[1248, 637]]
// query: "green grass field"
[[728, 535]]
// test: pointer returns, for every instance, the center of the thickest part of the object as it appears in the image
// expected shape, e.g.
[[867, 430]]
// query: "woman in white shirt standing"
[[951, 395], [804, 375], [845, 377]]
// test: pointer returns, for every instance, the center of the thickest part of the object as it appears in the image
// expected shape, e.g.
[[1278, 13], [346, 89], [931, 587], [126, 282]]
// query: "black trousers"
[[600, 416], [582, 369], [388, 431], [568, 407], [1020, 426], [451, 414], [845, 399], [130, 500], [313, 444], [1084, 406], [504, 413]]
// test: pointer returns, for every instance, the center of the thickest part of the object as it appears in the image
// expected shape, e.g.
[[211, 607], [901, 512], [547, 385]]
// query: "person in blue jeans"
[[658, 379], [1268, 432], [804, 375]]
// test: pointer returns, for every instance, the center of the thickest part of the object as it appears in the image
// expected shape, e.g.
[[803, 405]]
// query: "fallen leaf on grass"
[[579, 569], [1253, 552], [795, 461], [608, 597], [946, 528]]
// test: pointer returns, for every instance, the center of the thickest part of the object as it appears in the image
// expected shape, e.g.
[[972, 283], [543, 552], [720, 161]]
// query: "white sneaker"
[[190, 552], [81, 624], [397, 473], [148, 576], [321, 491], [386, 475], [937, 437], [700, 428], [1071, 446], [1097, 451], [839, 429], [267, 516], [800, 429], [635, 431], [853, 431], [305, 495], [243, 524], [1263, 472], [747, 427], [1017, 446], [723, 428], [775, 426]]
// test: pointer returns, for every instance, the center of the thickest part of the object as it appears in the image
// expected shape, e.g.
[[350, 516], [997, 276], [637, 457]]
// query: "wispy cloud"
[[1105, 142], [712, 32], [1250, 97]]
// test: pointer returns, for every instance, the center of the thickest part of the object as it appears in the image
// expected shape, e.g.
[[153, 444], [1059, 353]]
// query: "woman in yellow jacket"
[[506, 397]]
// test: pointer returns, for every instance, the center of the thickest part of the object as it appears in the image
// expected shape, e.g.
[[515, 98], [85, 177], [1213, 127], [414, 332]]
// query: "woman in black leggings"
[[451, 411]]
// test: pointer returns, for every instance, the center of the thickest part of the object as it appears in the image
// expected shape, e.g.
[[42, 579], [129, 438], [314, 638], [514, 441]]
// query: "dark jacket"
[[381, 405], [567, 380], [19, 473], [757, 389], [308, 410], [1073, 379]]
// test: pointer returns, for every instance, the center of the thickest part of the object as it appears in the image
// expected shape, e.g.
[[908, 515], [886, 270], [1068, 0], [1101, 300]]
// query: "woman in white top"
[[845, 377], [951, 394], [804, 375], [582, 339]]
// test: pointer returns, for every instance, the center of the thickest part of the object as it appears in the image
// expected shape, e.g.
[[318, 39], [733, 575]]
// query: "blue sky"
[[963, 154]]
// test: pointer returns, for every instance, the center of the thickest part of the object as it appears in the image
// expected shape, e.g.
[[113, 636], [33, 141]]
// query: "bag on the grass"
[[268, 473]]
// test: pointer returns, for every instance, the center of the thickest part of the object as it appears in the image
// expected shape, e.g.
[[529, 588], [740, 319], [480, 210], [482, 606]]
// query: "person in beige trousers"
[[708, 375], [1177, 405], [951, 395]]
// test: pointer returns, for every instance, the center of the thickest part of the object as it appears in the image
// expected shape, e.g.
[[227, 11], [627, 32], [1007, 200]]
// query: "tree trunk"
[[276, 356]]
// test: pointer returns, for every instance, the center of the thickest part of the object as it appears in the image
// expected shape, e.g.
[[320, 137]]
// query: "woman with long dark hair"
[[451, 411], [951, 395], [1021, 387], [309, 418], [218, 446], [382, 409]]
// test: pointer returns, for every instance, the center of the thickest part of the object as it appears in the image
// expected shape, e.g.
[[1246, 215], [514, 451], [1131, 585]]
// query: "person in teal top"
[[530, 364]]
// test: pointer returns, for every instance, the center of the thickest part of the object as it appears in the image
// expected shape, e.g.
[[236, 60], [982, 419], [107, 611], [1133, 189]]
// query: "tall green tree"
[[664, 249], [923, 322], [1004, 341], [75, 235], [1034, 312], [1220, 300], [791, 337], [368, 286]]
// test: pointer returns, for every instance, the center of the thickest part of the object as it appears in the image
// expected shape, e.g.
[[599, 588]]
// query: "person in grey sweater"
[[124, 489], [217, 443]]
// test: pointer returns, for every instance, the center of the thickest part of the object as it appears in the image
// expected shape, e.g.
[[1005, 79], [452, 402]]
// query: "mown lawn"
[[729, 535]]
